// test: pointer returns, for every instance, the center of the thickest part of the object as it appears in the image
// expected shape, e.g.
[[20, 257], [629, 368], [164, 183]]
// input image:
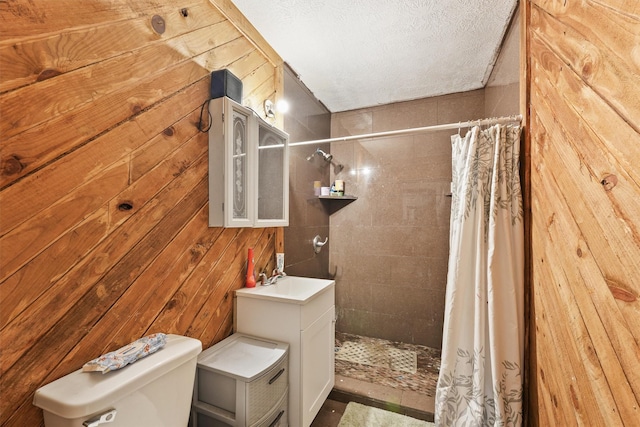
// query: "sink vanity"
[[299, 311]]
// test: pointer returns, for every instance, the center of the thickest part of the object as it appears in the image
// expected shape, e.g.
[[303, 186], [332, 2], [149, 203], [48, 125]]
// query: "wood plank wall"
[[97, 111], [584, 88]]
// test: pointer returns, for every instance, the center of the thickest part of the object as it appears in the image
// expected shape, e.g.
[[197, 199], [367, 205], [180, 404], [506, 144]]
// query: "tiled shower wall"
[[390, 247], [307, 120]]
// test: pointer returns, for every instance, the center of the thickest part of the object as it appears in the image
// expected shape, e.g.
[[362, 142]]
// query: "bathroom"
[[103, 195]]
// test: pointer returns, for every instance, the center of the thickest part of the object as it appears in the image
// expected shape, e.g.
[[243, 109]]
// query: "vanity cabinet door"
[[317, 370]]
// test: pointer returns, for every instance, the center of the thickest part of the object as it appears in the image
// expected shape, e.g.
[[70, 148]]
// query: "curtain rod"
[[470, 123]]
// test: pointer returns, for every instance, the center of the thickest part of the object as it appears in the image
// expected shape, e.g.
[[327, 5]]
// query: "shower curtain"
[[480, 381]]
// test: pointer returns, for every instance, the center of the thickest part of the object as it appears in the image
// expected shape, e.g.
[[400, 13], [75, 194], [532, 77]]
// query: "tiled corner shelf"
[[338, 198], [335, 203]]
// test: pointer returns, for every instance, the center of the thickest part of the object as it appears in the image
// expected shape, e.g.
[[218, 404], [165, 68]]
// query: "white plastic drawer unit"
[[242, 381]]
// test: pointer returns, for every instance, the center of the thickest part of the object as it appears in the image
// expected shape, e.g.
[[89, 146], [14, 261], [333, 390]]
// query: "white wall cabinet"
[[308, 327], [248, 168]]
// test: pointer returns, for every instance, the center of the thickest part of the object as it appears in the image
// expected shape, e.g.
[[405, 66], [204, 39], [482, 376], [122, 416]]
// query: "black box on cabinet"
[[224, 83]]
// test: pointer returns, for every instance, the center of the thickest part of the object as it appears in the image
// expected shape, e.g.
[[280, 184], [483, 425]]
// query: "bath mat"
[[376, 355], [357, 415]]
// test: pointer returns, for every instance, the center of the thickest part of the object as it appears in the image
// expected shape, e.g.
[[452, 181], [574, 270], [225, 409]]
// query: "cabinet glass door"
[[273, 177], [239, 158], [239, 166]]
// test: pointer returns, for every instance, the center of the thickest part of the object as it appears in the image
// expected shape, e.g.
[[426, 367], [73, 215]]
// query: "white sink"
[[294, 289]]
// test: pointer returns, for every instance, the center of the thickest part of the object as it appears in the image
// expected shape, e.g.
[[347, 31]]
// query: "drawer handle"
[[277, 418], [276, 376]]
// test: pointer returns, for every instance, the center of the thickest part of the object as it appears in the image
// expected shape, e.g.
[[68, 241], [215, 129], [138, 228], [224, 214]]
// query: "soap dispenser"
[[251, 280]]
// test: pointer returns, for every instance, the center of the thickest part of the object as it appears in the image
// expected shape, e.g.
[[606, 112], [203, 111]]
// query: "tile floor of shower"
[[400, 391]]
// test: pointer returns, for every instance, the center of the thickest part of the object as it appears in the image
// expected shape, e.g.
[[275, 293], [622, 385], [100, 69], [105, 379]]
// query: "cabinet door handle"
[[276, 376], [277, 418]]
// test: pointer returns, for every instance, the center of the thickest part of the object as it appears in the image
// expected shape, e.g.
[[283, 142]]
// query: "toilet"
[[155, 391]]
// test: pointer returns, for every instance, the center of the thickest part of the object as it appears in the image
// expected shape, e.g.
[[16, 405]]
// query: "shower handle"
[[317, 244]]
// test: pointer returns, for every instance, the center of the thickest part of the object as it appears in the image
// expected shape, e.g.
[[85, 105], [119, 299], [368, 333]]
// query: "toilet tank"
[[155, 391]]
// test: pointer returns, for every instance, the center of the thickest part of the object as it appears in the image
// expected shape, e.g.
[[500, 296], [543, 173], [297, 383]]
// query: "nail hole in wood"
[[125, 206], [157, 22], [184, 12], [609, 181]]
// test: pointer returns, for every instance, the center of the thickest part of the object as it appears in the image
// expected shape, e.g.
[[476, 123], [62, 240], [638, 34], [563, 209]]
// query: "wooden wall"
[[584, 89], [97, 111]]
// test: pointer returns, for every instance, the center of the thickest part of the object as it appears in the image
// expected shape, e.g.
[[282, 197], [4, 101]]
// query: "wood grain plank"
[[585, 370], [148, 186], [219, 280], [262, 73], [234, 15], [42, 101], [604, 129], [615, 326], [28, 240], [178, 277], [143, 299], [605, 213], [22, 19], [224, 55], [592, 346], [625, 7], [29, 150], [563, 161], [24, 331], [601, 125], [91, 127], [230, 276], [23, 378], [549, 385], [23, 287], [152, 153], [34, 193], [554, 388], [26, 61], [184, 304], [220, 300], [569, 370], [598, 55]]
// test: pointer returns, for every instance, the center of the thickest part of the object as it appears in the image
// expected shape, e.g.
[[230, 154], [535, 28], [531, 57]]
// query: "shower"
[[326, 156]]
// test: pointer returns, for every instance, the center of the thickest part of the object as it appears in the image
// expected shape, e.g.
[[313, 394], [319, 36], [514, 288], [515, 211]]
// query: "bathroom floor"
[[403, 382]]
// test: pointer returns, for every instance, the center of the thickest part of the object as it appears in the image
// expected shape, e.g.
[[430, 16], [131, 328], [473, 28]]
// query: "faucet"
[[266, 281], [271, 280], [262, 278]]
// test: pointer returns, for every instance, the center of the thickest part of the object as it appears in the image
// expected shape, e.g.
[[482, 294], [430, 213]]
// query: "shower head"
[[326, 156]]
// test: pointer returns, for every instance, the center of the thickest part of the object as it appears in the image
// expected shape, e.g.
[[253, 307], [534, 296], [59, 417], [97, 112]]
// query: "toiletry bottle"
[[251, 280]]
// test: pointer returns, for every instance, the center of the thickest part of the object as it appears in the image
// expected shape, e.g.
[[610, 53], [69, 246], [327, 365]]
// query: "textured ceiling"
[[360, 53]]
